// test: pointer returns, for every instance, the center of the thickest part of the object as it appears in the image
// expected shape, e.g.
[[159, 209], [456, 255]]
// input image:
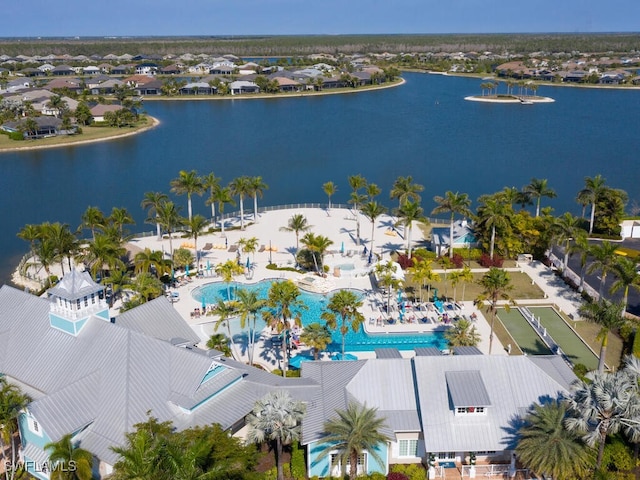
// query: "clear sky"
[[280, 17]]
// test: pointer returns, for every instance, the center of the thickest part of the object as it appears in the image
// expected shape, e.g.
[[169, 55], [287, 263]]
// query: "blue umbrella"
[[364, 252], [208, 265], [186, 270], [342, 247], [248, 263], [370, 257]]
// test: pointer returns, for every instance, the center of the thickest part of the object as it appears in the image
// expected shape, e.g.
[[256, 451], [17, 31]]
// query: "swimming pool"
[[358, 341]]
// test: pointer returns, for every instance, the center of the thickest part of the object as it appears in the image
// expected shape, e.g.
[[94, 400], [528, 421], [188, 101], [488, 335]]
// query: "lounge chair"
[[262, 248], [233, 248]]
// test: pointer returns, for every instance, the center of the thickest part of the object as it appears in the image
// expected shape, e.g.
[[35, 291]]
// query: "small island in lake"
[[523, 96]]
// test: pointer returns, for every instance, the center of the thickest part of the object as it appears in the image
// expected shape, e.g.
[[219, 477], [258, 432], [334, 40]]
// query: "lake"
[[424, 128]]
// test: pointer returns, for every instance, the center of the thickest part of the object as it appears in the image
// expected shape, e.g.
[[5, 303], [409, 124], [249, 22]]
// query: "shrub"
[[412, 471], [16, 136], [486, 261], [404, 261], [457, 260], [397, 476], [424, 254], [298, 469], [580, 370], [636, 343]]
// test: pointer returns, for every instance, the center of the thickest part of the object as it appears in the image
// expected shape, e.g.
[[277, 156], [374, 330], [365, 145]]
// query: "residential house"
[[63, 71], [46, 127], [107, 87], [463, 237], [197, 88], [99, 111], [153, 87], [288, 84], [242, 86], [146, 68]]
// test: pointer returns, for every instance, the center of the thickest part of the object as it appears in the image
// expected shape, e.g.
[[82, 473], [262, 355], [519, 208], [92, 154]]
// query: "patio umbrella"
[[342, 247], [204, 303], [370, 257], [186, 270], [226, 243], [173, 275], [208, 265], [248, 263], [364, 252]]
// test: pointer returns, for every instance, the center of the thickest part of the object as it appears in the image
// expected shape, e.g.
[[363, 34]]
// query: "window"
[[33, 426], [86, 301], [446, 455], [469, 410], [408, 448], [336, 464], [93, 299]]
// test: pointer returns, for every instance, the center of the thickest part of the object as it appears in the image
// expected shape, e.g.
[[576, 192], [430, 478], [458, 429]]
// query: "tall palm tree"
[[119, 279], [603, 259], [566, 228], [405, 190], [373, 210], [297, 223], [241, 187], [64, 242], [626, 272], [329, 189], [187, 183], [276, 418], [386, 278], [591, 193], [222, 196], [212, 183], [225, 310], [547, 448], [493, 215], [146, 286], [249, 245], [71, 461], [608, 316], [103, 253], [285, 307], [151, 202], [120, 217], [197, 226], [496, 285], [344, 304], [422, 272], [408, 213], [372, 191], [316, 336], [249, 305], [168, 216], [537, 189], [453, 203], [465, 276], [317, 245], [256, 189], [228, 271], [582, 246], [30, 233], [219, 341], [93, 218], [147, 259], [599, 408], [355, 430], [12, 403], [356, 182]]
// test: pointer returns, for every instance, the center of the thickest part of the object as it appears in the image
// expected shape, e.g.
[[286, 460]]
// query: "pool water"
[[347, 267], [359, 341]]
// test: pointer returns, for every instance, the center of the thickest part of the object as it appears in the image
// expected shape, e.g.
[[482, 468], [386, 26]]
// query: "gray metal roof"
[[387, 353], [466, 389], [428, 352], [157, 319], [466, 351], [75, 284]]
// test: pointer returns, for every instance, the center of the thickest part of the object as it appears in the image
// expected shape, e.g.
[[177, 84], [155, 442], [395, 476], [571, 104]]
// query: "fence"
[[572, 276], [495, 471]]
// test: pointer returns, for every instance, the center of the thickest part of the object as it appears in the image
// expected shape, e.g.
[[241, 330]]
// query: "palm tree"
[[256, 189], [465, 276], [405, 190], [462, 334], [146, 286], [93, 218], [219, 341], [386, 278], [566, 228], [119, 218], [591, 193], [421, 271], [119, 280], [168, 216], [212, 183], [582, 246], [241, 187], [356, 430], [101, 253], [547, 448], [285, 306], [228, 271], [151, 202], [344, 304], [329, 189], [599, 407], [537, 189], [452, 203], [196, 225], [496, 285], [188, 183], [249, 245], [316, 336], [317, 244], [12, 403], [30, 233], [495, 215], [372, 210], [71, 461], [356, 182], [276, 418], [148, 259], [225, 310], [222, 196], [372, 191], [604, 257], [627, 275], [249, 305], [64, 243], [297, 223], [608, 316], [408, 213]]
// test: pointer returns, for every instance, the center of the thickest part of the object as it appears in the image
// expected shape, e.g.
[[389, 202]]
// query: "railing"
[[543, 334], [494, 471], [572, 276]]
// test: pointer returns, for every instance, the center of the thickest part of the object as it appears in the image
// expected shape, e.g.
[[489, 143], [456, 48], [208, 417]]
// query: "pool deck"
[[339, 225]]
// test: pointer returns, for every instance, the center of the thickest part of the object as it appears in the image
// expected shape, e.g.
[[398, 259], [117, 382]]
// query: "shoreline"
[[154, 123], [517, 101]]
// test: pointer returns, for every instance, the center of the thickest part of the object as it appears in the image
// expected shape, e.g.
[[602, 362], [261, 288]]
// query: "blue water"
[[358, 341], [424, 128]]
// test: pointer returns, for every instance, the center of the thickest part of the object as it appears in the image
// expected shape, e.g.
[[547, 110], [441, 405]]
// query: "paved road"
[[594, 279]]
